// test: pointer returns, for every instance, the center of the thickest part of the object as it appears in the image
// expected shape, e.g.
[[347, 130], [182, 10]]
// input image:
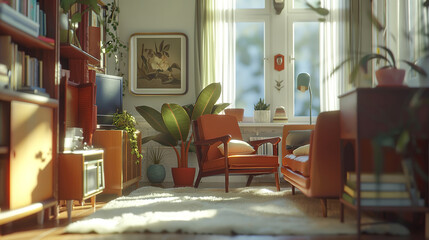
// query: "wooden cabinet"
[[119, 165], [29, 122], [367, 113], [81, 176]]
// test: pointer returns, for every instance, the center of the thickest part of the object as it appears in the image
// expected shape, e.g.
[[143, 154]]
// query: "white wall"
[[155, 16]]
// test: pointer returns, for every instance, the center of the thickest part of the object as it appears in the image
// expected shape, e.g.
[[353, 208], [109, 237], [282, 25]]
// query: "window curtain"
[[335, 42], [215, 46]]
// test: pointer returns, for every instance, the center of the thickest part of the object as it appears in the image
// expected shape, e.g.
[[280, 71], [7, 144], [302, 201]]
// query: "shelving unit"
[[29, 123], [365, 114]]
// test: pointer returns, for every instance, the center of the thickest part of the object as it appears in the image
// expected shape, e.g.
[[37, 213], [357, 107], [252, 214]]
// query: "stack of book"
[[389, 189]]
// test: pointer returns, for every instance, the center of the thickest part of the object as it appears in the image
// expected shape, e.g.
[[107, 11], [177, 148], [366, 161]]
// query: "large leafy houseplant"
[[173, 123]]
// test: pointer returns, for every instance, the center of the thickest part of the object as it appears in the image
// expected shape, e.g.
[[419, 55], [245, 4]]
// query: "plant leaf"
[[206, 100], [217, 108], [164, 139], [189, 108], [390, 54], [318, 10], [177, 121], [416, 68], [66, 4], [365, 59], [153, 117], [77, 17]]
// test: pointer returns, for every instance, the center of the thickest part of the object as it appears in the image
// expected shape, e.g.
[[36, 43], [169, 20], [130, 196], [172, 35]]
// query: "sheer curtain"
[[334, 44], [215, 46]]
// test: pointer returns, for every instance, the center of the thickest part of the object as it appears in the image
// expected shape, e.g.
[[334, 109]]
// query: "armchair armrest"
[[275, 141]]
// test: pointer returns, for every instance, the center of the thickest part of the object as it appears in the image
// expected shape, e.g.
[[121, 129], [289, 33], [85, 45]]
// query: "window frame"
[[264, 16], [298, 15]]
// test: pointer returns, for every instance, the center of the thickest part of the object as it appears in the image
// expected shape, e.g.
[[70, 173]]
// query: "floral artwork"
[[158, 64]]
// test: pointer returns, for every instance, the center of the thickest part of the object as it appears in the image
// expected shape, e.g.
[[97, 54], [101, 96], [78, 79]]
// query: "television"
[[108, 98]]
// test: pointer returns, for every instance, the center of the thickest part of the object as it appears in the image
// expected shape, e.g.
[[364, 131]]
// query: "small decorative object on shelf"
[[280, 115], [236, 112]]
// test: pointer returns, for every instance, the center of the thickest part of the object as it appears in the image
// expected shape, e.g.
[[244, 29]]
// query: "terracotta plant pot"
[[390, 77], [236, 112], [183, 177]]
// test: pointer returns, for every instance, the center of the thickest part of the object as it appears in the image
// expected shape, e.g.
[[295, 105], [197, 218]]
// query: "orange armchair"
[[210, 131], [318, 173]]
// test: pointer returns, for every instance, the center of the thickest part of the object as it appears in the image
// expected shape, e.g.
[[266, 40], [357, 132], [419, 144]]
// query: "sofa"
[[315, 171]]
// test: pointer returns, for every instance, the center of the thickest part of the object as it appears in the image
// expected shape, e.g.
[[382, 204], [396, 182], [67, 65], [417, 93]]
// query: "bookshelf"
[[29, 122], [365, 113]]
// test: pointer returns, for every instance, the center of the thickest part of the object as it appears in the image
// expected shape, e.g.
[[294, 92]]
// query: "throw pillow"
[[236, 147], [303, 150], [297, 138]]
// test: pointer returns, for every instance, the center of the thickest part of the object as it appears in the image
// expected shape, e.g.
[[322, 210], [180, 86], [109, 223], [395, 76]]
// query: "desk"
[[364, 114]]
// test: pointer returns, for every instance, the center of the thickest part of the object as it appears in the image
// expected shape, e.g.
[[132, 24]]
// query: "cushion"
[[297, 138], [303, 150], [237, 147]]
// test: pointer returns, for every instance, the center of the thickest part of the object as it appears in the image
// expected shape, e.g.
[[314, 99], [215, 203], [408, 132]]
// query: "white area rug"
[[248, 211]]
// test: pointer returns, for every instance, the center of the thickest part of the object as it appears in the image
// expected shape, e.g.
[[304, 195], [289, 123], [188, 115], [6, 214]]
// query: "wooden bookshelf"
[[365, 113], [32, 120]]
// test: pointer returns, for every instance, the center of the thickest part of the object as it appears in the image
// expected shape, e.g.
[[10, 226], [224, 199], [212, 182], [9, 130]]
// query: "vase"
[[236, 112], [390, 77], [156, 173], [183, 177], [261, 116], [66, 34]]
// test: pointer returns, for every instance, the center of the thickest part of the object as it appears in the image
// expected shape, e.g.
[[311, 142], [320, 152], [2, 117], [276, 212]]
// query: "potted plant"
[[155, 171], [389, 74], [174, 123], [127, 122], [69, 20], [261, 112]]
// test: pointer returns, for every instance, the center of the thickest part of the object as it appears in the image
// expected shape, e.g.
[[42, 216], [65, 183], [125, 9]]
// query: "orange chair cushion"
[[299, 164], [242, 162]]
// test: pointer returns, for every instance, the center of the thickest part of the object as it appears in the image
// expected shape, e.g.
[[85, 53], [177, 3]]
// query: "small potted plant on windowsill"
[[261, 112]]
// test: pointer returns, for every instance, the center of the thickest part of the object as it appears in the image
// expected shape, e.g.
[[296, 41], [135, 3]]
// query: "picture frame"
[[158, 64]]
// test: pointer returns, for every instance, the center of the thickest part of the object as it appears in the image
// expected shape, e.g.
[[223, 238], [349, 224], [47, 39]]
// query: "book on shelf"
[[18, 20], [378, 186], [377, 194], [383, 177], [382, 202]]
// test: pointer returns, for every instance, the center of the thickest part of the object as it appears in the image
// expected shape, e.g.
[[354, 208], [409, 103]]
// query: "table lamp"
[[303, 84]]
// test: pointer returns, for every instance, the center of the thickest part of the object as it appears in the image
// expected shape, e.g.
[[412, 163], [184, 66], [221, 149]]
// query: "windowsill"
[[253, 124]]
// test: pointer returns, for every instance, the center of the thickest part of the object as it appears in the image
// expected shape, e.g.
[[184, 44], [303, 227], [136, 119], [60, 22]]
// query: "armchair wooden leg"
[[293, 190], [277, 181], [226, 181], [197, 182], [324, 203], [249, 180]]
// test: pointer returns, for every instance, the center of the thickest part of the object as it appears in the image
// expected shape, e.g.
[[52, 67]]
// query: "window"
[[304, 52], [297, 34], [252, 25]]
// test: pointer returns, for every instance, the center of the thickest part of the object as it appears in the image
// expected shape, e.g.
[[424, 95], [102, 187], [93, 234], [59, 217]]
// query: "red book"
[[46, 39]]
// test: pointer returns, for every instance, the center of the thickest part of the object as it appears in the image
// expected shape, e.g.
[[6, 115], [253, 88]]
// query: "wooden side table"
[[364, 114]]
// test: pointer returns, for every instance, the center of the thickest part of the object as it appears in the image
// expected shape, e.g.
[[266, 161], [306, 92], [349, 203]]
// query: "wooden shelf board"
[[4, 149], [24, 39], [9, 95], [72, 52]]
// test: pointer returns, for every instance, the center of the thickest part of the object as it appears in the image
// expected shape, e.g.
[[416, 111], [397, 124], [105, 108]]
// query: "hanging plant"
[[113, 45], [127, 122]]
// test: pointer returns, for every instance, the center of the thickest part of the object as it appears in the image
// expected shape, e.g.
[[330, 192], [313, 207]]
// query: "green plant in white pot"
[[155, 171], [261, 112]]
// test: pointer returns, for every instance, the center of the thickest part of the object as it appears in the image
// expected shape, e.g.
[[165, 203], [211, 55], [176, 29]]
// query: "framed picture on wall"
[[158, 63]]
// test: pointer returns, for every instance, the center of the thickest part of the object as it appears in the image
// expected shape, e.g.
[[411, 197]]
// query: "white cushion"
[[237, 147], [303, 150]]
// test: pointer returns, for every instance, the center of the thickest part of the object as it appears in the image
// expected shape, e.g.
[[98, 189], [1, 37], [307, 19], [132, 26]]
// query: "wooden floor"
[[27, 228]]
